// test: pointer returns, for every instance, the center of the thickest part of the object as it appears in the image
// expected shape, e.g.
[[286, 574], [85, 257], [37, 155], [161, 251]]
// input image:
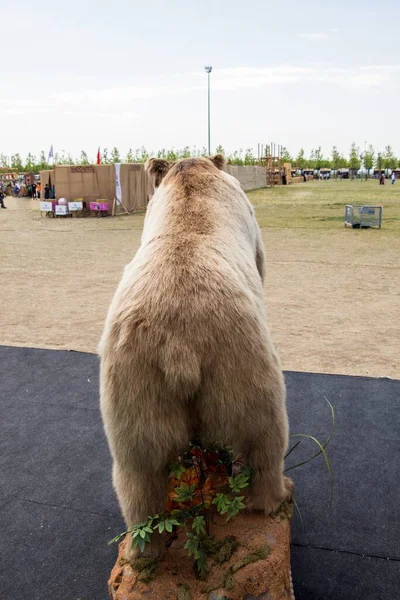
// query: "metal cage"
[[362, 216]]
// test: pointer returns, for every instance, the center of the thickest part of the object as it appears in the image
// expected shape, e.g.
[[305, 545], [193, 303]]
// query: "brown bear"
[[185, 352]]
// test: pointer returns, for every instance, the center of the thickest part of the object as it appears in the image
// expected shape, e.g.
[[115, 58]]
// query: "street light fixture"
[[208, 71]]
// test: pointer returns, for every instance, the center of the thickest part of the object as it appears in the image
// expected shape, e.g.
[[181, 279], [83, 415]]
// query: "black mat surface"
[[58, 510]]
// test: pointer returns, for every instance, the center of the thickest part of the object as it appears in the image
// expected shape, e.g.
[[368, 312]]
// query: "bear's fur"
[[185, 351]]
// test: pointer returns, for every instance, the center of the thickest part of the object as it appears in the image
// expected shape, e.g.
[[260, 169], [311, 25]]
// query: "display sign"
[[72, 206], [99, 206], [46, 206], [88, 169], [61, 210]]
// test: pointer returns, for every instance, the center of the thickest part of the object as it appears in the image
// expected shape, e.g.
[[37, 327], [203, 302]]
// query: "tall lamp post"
[[208, 71]]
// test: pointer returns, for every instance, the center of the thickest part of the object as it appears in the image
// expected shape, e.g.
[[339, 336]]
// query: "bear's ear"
[[158, 168], [219, 161]]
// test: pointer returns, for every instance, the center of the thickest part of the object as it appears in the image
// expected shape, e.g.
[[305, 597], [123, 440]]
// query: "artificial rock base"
[[259, 569]]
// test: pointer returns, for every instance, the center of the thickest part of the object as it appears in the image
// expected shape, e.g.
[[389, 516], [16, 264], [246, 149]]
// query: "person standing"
[[2, 199], [38, 189], [46, 192], [33, 190], [393, 177]]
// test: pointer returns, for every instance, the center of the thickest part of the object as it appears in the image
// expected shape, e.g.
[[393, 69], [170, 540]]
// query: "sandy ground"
[[332, 293]]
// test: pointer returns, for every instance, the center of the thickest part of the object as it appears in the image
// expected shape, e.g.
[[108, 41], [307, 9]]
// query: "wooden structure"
[[277, 171]]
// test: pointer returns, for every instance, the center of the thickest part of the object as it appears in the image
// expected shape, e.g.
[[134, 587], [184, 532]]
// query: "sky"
[[80, 75]]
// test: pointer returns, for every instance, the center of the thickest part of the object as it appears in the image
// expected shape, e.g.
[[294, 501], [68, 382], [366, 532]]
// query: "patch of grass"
[[252, 557], [320, 204], [220, 550], [183, 592], [147, 568], [284, 511]]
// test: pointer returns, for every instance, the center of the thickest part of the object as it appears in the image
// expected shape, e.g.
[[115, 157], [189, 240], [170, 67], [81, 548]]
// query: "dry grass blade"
[[298, 510], [324, 446], [323, 452], [292, 448]]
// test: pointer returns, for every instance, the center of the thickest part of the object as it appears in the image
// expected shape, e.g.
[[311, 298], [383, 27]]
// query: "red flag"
[[98, 161]]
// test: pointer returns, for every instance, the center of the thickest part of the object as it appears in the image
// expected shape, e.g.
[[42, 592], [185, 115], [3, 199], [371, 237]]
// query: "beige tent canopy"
[[95, 182]]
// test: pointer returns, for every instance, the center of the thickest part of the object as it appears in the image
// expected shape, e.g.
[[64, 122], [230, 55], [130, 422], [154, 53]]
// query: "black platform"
[[58, 509]]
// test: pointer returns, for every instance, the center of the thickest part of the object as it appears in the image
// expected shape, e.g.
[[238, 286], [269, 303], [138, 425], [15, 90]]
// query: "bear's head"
[[158, 167]]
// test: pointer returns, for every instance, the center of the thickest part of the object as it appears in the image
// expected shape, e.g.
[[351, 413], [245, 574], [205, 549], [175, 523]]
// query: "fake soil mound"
[[249, 560]]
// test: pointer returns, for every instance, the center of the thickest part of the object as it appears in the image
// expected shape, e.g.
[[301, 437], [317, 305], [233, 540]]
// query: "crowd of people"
[[33, 190]]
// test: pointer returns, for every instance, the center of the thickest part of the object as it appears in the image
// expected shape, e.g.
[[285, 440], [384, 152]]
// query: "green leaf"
[[199, 525], [184, 492], [176, 470], [174, 522], [239, 482], [233, 507], [117, 538], [142, 544], [221, 500]]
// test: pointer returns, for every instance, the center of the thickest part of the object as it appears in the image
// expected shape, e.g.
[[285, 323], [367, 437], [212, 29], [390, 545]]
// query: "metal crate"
[[362, 216]]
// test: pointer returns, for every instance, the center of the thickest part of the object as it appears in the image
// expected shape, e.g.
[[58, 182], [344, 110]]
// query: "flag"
[[118, 189], [98, 160], [50, 159]]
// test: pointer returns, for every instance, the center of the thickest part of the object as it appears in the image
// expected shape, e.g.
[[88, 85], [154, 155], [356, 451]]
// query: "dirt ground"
[[332, 293]]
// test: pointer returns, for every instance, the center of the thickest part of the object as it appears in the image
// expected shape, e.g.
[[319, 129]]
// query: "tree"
[[338, 161], [3, 161], [389, 158], [42, 166], [16, 163], [84, 159], [317, 158], [249, 159], [311, 160], [354, 158], [300, 161], [368, 159], [104, 157], [186, 153], [115, 156], [379, 161], [335, 158], [130, 157], [285, 155], [172, 155], [142, 155], [30, 163]]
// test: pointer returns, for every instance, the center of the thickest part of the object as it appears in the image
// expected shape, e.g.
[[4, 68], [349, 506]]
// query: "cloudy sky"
[[89, 73]]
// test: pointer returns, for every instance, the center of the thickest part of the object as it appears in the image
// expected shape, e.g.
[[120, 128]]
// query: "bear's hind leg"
[[141, 494], [269, 488]]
